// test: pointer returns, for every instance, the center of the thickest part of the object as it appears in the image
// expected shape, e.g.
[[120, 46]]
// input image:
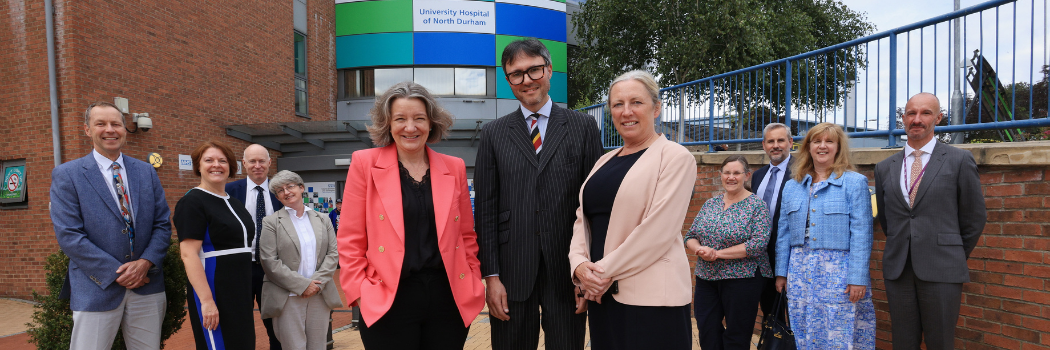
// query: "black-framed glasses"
[[534, 72]]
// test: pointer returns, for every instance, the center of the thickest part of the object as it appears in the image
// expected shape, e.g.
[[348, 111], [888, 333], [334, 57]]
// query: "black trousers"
[[735, 300], [615, 325], [257, 282], [424, 316], [563, 329]]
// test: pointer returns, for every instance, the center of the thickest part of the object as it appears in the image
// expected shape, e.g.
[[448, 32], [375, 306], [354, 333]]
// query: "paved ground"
[[17, 313]]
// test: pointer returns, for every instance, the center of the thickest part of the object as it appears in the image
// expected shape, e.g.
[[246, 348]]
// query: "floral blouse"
[[747, 222]]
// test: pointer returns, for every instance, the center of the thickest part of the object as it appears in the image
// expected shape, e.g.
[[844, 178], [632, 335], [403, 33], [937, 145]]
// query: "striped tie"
[[535, 136]]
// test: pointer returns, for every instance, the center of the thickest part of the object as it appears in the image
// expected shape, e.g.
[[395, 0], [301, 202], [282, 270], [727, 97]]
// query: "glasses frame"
[[285, 188], [521, 79]]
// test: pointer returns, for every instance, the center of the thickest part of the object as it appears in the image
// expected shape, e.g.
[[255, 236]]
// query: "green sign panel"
[[14, 183]]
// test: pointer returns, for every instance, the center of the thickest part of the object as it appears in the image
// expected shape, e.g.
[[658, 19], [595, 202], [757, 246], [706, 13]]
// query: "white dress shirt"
[[307, 243], [105, 166], [776, 183], [249, 201], [545, 114], [909, 159]]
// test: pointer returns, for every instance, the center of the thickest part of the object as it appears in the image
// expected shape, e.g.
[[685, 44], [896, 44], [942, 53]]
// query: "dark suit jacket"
[[943, 227], [526, 202], [88, 228], [756, 181], [239, 190]]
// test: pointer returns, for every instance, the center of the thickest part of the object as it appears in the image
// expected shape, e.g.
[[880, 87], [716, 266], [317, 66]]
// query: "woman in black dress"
[[215, 234]]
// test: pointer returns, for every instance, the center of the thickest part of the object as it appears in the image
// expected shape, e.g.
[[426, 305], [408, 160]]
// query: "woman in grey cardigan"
[[297, 249]]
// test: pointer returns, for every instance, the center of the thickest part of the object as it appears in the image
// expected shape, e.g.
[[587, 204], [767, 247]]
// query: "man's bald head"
[[921, 114], [256, 162]]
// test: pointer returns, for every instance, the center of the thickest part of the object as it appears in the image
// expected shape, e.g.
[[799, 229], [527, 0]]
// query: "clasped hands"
[[707, 253], [589, 283], [313, 288], [133, 273]]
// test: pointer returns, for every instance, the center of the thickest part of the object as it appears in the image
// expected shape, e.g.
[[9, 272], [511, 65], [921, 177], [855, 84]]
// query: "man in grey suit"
[[111, 219], [932, 210], [529, 169]]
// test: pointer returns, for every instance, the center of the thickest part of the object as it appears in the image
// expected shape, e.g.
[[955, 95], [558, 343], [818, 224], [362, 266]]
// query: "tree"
[[681, 41]]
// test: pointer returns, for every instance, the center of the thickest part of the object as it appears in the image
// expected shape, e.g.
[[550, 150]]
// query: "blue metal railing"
[[857, 84]]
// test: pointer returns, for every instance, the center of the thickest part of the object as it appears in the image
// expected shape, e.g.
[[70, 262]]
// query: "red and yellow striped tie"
[[535, 137]]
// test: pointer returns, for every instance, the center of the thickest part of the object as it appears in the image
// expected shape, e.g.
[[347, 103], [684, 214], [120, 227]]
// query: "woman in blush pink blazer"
[[627, 253], [407, 246]]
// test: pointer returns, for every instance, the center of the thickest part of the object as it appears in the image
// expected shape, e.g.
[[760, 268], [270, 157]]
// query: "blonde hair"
[[804, 166], [440, 119], [643, 77]]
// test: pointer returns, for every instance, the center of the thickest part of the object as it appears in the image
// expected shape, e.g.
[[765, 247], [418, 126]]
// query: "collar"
[[832, 180], [251, 184], [544, 111], [291, 212], [926, 149], [783, 166], [104, 163]]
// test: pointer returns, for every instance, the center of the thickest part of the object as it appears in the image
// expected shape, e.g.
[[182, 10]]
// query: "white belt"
[[216, 253]]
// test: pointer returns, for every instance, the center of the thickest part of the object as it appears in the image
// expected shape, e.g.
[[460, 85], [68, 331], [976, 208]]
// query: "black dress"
[[615, 325], [226, 231]]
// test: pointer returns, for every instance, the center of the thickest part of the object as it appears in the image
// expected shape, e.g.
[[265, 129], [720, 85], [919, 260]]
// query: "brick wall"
[[194, 66], [1007, 303]]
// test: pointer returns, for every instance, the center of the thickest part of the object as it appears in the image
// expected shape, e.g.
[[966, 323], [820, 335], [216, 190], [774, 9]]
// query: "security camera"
[[142, 121]]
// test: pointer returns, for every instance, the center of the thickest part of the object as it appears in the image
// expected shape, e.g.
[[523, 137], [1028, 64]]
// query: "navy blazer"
[[239, 190], [88, 227], [756, 181]]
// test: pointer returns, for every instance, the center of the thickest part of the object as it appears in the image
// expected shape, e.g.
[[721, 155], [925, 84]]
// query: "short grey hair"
[[643, 77], [284, 178], [440, 119], [769, 127]]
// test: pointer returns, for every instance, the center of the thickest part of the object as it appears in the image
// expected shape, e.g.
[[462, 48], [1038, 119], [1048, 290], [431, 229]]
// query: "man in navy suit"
[[111, 219], [767, 183], [254, 192]]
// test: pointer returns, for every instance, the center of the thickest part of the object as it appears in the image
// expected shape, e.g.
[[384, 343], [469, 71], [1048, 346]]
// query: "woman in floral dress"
[[824, 245], [729, 235]]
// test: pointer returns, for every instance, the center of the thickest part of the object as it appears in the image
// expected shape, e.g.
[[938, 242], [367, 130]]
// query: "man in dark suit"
[[932, 210], [767, 183], [529, 169], [111, 219], [254, 192]]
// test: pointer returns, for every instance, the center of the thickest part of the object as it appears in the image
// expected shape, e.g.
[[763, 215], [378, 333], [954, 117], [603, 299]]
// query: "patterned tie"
[[260, 211], [767, 195], [125, 203], [914, 177], [535, 137]]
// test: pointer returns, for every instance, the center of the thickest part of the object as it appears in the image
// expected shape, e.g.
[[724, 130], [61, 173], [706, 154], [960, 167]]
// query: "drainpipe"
[[56, 144]]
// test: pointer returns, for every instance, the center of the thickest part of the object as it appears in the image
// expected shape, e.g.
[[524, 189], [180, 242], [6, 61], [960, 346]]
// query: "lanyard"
[[905, 165]]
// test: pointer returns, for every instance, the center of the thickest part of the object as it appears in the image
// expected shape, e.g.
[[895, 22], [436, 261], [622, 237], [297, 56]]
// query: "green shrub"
[[52, 323]]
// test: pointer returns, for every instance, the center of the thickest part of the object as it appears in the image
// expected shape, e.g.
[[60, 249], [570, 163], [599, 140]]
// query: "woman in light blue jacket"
[[824, 245]]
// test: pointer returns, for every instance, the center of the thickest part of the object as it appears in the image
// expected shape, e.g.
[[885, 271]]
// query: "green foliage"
[[52, 323], [682, 41]]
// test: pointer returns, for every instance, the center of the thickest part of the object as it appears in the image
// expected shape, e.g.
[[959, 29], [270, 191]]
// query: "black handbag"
[[777, 335]]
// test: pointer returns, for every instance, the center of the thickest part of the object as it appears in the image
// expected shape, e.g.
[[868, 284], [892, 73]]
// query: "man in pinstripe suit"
[[530, 166]]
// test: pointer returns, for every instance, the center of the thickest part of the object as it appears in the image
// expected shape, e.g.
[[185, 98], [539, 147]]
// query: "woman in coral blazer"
[[627, 253], [407, 246]]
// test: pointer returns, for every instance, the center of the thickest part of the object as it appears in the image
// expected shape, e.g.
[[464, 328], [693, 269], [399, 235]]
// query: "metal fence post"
[[892, 123], [681, 114], [711, 118], [787, 97]]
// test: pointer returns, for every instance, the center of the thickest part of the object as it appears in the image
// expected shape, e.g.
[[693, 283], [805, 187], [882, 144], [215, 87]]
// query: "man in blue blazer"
[[767, 183], [254, 192], [111, 219]]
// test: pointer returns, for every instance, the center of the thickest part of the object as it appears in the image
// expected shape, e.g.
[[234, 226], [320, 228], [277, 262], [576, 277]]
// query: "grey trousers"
[[303, 323], [140, 316], [921, 310]]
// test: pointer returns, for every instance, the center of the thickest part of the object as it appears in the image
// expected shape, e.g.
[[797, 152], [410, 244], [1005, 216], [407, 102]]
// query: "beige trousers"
[[303, 323], [140, 316]]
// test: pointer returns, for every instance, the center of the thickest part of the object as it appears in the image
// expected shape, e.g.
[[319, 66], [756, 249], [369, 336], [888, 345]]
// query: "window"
[[470, 82], [387, 77], [300, 75], [440, 81]]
